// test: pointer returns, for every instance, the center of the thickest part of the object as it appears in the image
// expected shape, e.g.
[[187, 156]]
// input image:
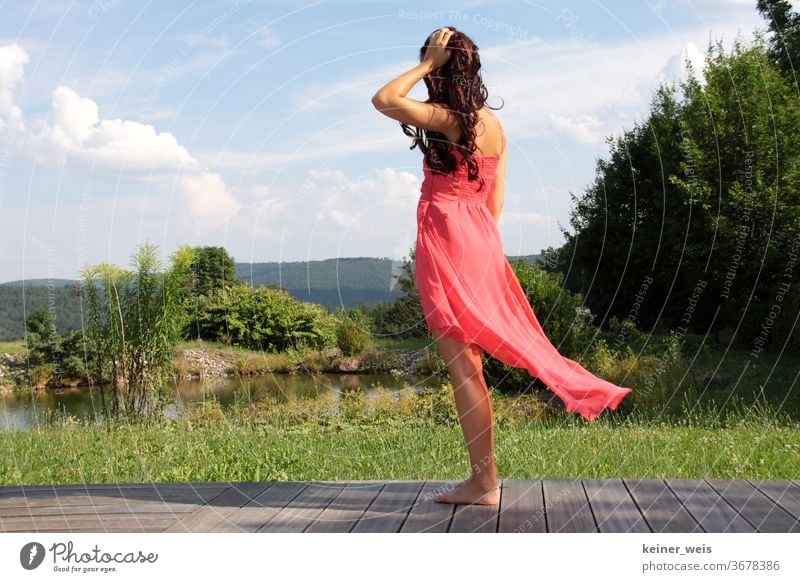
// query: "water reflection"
[[18, 411]]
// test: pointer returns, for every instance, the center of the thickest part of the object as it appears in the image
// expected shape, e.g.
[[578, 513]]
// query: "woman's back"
[[437, 187]]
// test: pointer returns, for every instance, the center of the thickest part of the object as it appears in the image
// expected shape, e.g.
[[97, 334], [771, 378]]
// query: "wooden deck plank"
[[754, 506], [553, 505], [613, 508], [59, 497], [218, 509], [710, 510], [522, 506], [347, 508], [98, 507], [428, 516], [566, 507], [663, 511], [17, 489], [389, 509], [475, 518], [260, 509], [72, 523], [303, 509], [785, 493]]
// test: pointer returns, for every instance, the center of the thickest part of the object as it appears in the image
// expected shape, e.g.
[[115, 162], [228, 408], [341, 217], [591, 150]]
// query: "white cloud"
[[207, 198], [75, 132], [371, 212], [193, 40], [585, 128], [268, 39], [12, 66], [510, 218]]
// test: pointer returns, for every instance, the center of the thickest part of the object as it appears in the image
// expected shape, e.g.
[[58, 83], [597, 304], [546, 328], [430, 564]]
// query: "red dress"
[[469, 291]]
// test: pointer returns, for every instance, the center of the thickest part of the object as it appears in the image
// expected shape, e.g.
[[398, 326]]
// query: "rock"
[[349, 364]]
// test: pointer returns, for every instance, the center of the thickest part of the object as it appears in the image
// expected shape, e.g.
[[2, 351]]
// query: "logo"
[[31, 555]]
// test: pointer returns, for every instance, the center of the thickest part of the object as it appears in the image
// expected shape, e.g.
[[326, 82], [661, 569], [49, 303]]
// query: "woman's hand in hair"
[[436, 52]]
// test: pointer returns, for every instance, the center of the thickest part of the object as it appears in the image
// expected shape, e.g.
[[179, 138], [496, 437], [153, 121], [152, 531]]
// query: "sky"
[[249, 125]]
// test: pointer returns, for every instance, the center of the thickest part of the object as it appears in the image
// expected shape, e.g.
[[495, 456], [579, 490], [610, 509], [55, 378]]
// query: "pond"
[[20, 411]]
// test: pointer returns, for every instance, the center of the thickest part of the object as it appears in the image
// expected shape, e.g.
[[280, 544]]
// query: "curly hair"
[[459, 87]]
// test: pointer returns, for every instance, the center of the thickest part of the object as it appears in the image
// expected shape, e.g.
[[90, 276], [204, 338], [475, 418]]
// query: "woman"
[[470, 296]]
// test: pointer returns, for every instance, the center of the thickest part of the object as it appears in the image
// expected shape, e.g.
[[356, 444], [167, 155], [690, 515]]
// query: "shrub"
[[204, 413], [353, 334], [263, 318]]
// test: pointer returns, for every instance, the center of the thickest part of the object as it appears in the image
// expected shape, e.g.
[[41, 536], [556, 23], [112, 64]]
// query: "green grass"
[[13, 347], [398, 436], [237, 453]]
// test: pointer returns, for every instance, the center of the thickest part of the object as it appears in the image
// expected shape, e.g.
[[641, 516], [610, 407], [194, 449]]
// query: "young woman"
[[470, 296]]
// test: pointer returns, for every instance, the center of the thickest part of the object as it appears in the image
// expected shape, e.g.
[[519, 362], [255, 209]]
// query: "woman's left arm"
[[391, 99]]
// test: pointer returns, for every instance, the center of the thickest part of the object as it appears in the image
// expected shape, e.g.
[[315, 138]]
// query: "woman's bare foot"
[[469, 492]]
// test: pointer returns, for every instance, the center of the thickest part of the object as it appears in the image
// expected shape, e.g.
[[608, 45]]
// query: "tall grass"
[[400, 435]]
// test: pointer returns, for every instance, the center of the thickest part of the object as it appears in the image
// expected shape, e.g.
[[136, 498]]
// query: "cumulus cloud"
[[75, 132], [585, 128], [12, 67], [207, 198]]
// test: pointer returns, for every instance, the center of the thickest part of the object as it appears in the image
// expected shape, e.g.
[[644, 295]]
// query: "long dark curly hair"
[[457, 85]]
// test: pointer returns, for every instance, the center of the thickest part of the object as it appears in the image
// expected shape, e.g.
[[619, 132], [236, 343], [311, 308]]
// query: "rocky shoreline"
[[12, 368], [192, 363]]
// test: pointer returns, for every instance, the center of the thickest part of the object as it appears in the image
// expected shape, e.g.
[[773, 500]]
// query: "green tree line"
[[693, 221]]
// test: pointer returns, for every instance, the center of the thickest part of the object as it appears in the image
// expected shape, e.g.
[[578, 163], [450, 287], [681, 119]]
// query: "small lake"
[[20, 411]]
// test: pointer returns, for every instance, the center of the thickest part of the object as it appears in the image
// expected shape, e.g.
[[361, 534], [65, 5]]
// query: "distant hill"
[[18, 301], [39, 282], [331, 282]]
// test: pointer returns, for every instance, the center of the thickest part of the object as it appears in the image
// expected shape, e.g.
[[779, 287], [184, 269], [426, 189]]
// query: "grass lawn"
[[13, 347], [398, 436], [231, 452]]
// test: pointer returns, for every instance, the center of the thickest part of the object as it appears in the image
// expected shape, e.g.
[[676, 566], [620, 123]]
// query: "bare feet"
[[469, 492]]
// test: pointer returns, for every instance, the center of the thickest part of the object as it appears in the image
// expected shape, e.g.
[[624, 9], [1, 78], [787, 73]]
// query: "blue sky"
[[249, 125]]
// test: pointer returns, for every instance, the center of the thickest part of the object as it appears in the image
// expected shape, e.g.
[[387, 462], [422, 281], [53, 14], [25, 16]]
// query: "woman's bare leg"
[[477, 422]]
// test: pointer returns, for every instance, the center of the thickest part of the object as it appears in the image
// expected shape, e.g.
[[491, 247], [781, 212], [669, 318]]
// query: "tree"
[[784, 24], [405, 318], [213, 268], [691, 221], [42, 339]]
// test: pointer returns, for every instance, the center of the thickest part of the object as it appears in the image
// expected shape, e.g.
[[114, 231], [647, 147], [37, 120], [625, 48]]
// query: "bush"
[[263, 318], [437, 406], [353, 334], [204, 413]]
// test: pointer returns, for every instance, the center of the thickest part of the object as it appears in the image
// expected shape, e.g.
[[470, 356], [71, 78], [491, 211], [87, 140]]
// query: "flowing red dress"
[[469, 291]]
